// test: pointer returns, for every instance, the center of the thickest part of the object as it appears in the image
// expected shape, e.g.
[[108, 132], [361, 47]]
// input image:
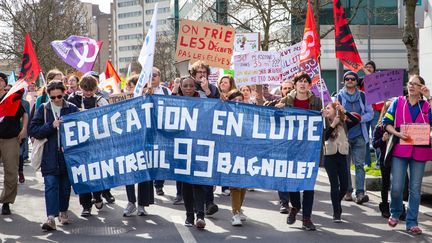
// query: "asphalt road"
[[362, 223]]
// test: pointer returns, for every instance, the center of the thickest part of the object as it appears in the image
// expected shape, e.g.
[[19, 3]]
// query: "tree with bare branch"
[[45, 21]]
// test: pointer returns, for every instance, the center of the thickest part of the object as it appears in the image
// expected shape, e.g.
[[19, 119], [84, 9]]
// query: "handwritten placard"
[[419, 134], [316, 89], [312, 68], [260, 67], [208, 42], [383, 85], [246, 42], [114, 98], [290, 59]]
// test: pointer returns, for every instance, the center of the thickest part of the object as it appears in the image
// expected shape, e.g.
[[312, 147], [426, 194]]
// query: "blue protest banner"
[[200, 141]]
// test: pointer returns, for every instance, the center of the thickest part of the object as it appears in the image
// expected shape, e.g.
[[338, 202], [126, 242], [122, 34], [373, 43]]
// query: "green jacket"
[[314, 101]]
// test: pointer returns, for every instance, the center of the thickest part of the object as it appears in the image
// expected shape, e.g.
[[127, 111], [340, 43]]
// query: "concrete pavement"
[[362, 223]]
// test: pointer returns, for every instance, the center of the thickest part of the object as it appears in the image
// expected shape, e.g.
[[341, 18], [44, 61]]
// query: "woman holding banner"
[[336, 150], [404, 115], [45, 125], [193, 194]]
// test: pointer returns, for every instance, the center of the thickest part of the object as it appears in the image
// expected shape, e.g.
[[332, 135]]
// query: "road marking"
[[184, 232]]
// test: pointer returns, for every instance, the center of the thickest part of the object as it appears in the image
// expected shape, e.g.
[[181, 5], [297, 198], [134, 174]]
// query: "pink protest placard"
[[419, 134]]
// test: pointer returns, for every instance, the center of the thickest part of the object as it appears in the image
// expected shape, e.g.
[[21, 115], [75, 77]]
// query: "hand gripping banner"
[[199, 141]]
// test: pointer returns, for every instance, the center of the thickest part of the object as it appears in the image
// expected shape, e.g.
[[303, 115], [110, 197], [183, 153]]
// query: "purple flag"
[[316, 89], [77, 51]]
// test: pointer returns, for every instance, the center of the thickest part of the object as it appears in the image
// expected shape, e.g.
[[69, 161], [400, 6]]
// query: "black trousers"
[[194, 200], [85, 199], [337, 171], [145, 193], [308, 197]]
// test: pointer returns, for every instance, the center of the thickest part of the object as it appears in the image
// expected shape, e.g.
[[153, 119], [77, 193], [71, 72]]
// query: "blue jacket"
[[53, 162], [367, 112]]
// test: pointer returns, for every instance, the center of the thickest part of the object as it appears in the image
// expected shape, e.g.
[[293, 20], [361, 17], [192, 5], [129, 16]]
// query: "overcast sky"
[[104, 5]]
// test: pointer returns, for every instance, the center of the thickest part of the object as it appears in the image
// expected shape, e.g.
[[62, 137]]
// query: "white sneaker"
[[63, 218], [242, 216], [236, 221], [226, 192], [129, 210], [142, 211]]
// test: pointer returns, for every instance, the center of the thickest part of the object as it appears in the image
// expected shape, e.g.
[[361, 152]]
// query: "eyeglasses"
[[155, 75], [202, 72], [350, 79], [58, 97], [414, 84]]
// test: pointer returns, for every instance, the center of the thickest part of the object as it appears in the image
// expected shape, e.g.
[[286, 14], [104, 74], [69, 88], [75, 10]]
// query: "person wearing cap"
[[11, 135], [354, 100]]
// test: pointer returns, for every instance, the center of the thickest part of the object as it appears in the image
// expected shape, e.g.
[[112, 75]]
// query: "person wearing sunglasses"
[[354, 100], [45, 124], [156, 87]]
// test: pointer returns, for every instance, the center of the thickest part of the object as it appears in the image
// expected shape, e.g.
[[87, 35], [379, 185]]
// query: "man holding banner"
[[301, 97]]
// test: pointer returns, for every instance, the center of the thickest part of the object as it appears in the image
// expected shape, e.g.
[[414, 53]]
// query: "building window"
[[382, 12], [129, 48], [128, 59], [160, 10], [154, 1], [159, 22], [131, 37], [127, 4], [130, 14], [129, 26]]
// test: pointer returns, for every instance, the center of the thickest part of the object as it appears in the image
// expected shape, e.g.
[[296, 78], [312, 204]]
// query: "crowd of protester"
[[349, 123]]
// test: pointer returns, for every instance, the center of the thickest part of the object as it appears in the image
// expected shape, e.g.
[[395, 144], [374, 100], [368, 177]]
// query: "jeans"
[[398, 173], [337, 172], [308, 197], [179, 186], [284, 198], [357, 155], [57, 194], [193, 197]]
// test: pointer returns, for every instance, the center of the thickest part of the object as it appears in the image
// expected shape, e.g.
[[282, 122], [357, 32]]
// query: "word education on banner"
[[260, 67], [383, 85], [199, 141], [204, 41], [290, 58]]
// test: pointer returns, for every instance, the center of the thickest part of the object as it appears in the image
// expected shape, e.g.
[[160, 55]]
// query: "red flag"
[[346, 49], [10, 102], [111, 72], [30, 68], [311, 42]]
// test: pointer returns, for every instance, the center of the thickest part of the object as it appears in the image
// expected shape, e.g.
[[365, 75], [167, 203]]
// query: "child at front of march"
[[336, 148], [45, 124], [86, 99], [237, 194], [193, 194]]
